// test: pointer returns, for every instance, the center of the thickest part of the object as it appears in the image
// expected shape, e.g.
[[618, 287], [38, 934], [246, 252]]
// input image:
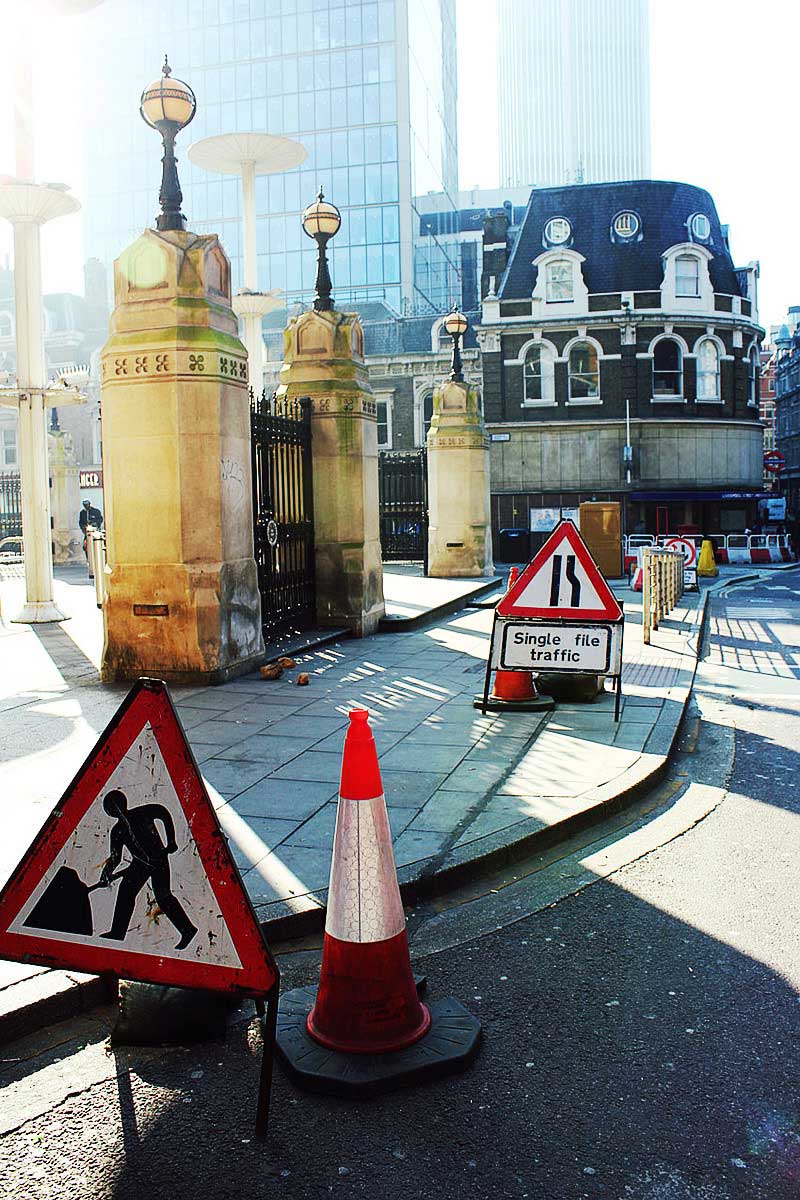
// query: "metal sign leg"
[[267, 1059], [488, 666]]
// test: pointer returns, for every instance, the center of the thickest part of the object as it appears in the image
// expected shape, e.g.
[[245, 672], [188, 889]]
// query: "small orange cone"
[[367, 1001], [363, 1030], [514, 690]]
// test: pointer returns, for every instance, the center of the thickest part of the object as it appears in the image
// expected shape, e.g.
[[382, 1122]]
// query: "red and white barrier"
[[734, 548]]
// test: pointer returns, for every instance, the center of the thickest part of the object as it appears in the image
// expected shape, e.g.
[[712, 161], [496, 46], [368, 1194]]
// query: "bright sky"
[[723, 100]]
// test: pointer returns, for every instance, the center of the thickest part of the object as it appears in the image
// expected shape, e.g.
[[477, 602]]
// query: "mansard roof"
[[663, 209]]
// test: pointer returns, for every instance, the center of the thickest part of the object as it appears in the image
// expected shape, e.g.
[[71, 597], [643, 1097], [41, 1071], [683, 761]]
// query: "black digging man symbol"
[[136, 831], [64, 906]]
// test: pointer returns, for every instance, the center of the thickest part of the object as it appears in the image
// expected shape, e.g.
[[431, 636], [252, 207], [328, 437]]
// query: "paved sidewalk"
[[459, 786]]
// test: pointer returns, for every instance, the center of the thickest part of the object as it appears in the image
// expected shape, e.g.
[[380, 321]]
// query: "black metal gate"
[[403, 488], [10, 505], [283, 513]]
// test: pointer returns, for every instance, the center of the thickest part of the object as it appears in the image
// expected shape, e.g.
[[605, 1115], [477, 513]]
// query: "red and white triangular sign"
[[563, 581], [131, 873]]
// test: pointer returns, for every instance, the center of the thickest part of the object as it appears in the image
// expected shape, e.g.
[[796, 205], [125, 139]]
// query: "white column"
[[39, 603], [250, 279]]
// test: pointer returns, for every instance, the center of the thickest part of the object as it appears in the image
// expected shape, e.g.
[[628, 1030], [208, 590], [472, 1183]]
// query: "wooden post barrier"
[[647, 594]]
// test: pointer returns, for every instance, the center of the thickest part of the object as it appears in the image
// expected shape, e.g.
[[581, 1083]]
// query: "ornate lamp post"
[[321, 222], [168, 105], [456, 325]]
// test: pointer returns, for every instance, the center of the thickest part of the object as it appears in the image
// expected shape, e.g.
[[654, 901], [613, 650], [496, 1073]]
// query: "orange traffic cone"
[[514, 690], [367, 1001], [362, 1029]]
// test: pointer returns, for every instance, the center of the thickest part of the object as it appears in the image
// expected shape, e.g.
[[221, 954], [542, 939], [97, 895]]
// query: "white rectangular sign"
[[548, 646], [690, 578]]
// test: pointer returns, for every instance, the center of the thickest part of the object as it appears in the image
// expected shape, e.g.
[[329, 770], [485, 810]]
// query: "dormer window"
[[687, 275], [699, 227], [626, 227], [559, 286], [557, 231]]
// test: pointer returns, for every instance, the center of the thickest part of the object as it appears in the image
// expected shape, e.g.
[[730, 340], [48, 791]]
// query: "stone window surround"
[[668, 335], [582, 336], [670, 300], [579, 304], [598, 349], [710, 336], [753, 355]]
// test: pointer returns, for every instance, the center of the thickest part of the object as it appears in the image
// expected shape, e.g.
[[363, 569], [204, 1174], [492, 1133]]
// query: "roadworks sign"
[[131, 873], [563, 646], [563, 582]]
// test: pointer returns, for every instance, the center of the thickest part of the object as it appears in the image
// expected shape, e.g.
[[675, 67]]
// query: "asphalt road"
[[641, 1031]]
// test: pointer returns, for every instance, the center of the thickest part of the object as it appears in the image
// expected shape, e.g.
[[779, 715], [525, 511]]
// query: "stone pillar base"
[[182, 623]]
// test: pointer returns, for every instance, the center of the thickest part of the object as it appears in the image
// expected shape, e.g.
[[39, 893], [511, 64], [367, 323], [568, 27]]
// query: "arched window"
[[687, 275], [558, 285], [667, 368], [584, 372], [753, 369], [708, 370], [537, 375]]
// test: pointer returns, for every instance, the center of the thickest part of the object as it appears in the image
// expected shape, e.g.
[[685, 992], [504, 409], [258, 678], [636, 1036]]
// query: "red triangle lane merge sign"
[[131, 873], [562, 582]]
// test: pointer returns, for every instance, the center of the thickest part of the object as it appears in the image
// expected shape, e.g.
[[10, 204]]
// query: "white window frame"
[[671, 300], [695, 261], [549, 239], [547, 374], [698, 352], [8, 441], [565, 269], [753, 376], [387, 399], [579, 304], [683, 350], [598, 351]]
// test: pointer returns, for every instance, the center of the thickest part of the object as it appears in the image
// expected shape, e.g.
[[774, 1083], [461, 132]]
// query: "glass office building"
[[368, 87]]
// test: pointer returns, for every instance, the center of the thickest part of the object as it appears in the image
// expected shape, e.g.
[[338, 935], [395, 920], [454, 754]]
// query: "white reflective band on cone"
[[363, 898]]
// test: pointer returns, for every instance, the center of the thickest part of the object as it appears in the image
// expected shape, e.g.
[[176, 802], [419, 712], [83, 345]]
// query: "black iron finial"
[[166, 70]]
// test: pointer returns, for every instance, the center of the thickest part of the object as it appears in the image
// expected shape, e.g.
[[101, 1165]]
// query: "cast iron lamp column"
[[168, 105], [456, 325], [321, 222]]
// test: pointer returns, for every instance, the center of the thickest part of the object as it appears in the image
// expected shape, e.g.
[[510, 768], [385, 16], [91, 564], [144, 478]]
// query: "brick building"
[[621, 359]]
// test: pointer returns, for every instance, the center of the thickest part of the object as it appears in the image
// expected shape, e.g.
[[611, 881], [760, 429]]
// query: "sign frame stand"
[[488, 674], [617, 677], [267, 1011]]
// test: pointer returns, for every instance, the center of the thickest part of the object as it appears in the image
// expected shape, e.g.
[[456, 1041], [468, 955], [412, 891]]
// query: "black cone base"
[[537, 704], [448, 1046]]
